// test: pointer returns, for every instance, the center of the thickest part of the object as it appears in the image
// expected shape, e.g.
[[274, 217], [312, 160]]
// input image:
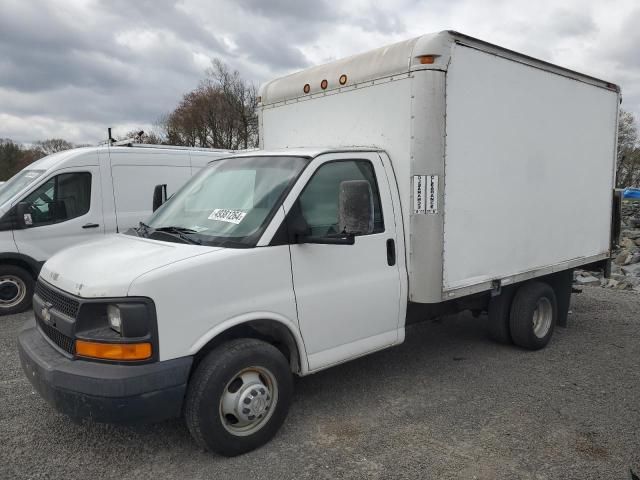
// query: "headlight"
[[115, 319]]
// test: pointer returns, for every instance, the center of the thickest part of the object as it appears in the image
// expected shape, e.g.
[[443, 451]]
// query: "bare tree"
[[140, 136], [53, 145], [219, 113], [14, 157], [628, 166], [241, 98]]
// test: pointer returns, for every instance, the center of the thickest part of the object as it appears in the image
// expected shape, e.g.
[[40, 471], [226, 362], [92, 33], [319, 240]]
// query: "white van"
[[76, 195], [313, 251]]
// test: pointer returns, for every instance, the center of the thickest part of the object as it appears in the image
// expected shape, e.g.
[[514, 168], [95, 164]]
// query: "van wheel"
[[16, 289], [499, 312], [238, 397], [533, 316]]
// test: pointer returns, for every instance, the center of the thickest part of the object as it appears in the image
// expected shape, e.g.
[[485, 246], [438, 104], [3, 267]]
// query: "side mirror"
[[23, 216], [299, 231], [355, 208], [159, 196]]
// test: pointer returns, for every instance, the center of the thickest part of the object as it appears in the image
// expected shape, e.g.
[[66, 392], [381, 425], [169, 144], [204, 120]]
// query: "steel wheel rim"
[[248, 401], [542, 317], [12, 291]]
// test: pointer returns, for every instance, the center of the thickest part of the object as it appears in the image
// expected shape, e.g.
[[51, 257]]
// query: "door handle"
[[90, 225], [391, 252]]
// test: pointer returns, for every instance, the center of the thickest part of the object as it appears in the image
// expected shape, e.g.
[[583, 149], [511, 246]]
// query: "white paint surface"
[[529, 168]]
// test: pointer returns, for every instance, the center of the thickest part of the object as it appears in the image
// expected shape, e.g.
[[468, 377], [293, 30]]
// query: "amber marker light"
[[113, 351], [343, 79], [324, 84], [307, 88], [427, 59]]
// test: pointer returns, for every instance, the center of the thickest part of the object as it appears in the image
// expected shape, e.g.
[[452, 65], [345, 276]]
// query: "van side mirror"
[[159, 196], [23, 216], [355, 216], [355, 207]]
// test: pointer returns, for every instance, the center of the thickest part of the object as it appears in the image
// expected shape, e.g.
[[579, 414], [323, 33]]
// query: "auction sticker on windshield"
[[225, 215]]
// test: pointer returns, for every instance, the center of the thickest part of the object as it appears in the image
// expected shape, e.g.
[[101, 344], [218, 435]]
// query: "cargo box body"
[[505, 164]]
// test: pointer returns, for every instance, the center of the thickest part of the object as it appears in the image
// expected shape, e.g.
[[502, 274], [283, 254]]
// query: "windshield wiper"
[[176, 229], [143, 229], [179, 232]]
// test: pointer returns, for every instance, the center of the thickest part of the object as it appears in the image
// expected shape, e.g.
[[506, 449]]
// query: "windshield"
[[228, 203], [16, 183]]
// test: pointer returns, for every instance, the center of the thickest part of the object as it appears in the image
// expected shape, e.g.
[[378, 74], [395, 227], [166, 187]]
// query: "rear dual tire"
[[533, 317], [525, 316]]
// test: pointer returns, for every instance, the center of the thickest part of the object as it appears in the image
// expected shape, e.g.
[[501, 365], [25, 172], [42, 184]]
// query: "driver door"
[[63, 210], [348, 296]]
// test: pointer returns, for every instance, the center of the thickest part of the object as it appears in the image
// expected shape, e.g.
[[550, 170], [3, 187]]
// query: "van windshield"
[[229, 203], [18, 182]]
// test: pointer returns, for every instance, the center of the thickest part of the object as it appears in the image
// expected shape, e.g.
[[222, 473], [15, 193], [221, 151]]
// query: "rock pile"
[[625, 267]]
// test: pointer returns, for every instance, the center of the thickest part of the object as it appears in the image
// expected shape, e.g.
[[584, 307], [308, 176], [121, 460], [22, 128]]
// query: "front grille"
[[57, 337], [59, 301]]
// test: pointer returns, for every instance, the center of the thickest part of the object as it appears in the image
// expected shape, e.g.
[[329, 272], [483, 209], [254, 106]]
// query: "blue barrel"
[[631, 194]]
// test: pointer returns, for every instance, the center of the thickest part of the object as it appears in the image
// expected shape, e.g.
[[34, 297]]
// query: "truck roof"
[[45, 163], [55, 159], [397, 59], [307, 152]]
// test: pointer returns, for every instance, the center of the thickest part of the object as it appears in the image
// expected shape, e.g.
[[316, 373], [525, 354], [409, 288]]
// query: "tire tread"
[[521, 310], [27, 277], [215, 361]]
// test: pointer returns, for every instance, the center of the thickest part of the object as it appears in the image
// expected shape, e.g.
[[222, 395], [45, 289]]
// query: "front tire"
[[533, 317], [16, 289], [238, 397]]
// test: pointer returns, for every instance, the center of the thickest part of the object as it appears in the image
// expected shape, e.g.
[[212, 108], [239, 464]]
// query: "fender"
[[247, 317], [15, 258]]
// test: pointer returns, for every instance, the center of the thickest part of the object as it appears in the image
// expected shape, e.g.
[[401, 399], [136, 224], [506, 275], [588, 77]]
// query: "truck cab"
[[280, 243], [391, 187]]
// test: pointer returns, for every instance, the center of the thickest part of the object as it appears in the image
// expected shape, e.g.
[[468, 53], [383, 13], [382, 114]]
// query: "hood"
[[107, 267]]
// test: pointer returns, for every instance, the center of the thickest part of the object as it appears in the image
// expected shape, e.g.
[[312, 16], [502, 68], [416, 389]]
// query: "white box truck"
[[430, 176], [77, 195]]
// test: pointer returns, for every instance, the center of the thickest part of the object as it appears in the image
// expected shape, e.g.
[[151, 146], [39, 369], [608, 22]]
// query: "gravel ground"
[[446, 404]]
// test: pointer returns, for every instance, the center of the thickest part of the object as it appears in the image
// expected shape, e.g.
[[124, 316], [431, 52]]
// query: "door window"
[[60, 198], [319, 200]]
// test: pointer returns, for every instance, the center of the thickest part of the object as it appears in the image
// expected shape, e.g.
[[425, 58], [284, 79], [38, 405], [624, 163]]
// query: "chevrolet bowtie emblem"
[[46, 315]]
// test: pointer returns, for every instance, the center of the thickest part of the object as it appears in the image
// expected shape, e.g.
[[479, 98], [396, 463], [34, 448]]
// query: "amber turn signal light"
[[343, 79], [113, 351]]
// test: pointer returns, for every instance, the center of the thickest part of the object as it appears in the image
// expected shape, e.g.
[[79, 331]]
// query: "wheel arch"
[[20, 260], [273, 329]]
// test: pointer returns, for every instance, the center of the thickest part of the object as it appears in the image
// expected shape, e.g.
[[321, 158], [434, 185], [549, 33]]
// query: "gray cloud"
[[273, 50], [314, 11], [72, 68], [566, 23]]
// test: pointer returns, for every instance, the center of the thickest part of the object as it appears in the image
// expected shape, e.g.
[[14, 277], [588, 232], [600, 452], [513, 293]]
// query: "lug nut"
[[247, 401]]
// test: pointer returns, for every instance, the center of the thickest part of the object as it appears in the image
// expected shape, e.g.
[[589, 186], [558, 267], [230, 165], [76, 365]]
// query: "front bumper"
[[103, 392]]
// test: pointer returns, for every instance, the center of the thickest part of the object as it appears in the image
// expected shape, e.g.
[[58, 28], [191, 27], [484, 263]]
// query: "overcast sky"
[[71, 68]]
